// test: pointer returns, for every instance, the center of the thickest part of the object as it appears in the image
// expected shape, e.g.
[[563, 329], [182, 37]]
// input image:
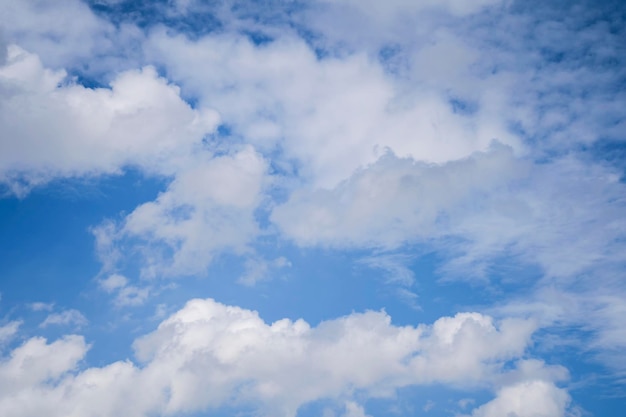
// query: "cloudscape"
[[312, 208]]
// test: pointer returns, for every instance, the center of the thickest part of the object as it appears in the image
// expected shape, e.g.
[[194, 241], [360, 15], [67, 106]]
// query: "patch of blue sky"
[[463, 106], [48, 254], [195, 19], [149, 13], [427, 401], [430, 401]]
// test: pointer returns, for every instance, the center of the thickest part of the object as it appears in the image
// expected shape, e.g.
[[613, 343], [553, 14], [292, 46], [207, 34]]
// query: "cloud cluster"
[[208, 355], [329, 117], [475, 128]]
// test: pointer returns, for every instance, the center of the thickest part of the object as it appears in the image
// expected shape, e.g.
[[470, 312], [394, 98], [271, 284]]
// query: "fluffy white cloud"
[[477, 209], [113, 282], [63, 32], [332, 116], [209, 354], [527, 399], [393, 201], [335, 116], [50, 129], [37, 362], [208, 208]]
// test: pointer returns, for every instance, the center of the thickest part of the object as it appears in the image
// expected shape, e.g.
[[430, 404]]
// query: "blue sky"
[[332, 208]]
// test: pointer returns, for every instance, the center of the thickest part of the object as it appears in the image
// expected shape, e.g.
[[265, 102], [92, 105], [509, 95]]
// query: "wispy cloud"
[[65, 318]]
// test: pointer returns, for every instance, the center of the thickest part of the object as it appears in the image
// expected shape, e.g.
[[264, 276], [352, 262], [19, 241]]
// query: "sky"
[[322, 208]]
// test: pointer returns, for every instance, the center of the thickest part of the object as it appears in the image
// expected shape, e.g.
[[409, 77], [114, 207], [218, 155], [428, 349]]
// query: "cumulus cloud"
[[208, 354], [208, 208], [33, 363], [332, 116], [52, 129], [526, 399], [487, 206]]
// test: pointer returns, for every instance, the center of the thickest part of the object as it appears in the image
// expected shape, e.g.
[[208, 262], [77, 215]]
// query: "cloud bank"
[[208, 355]]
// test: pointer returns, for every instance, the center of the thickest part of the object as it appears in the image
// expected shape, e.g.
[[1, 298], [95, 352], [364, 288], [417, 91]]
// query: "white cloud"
[[39, 306], [393, 201], [596, 309], [486, 207], [527, 399], [125, 294], [53, 130], [65, 318], [113, 282], [475, 210], [132, 295], [208, 208], [354, 410], [63, 32], [33, 363], [318, 113], [8, 331], [543, 217], [332, 116], [258, 269], [208, 354], [396, 273], [465, 402], [395, 266]]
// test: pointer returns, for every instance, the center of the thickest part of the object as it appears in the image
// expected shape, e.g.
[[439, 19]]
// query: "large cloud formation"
[[209, 355]]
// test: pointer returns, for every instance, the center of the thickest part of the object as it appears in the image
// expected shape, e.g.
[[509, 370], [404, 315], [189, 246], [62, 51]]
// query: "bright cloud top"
[[208, 355]]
